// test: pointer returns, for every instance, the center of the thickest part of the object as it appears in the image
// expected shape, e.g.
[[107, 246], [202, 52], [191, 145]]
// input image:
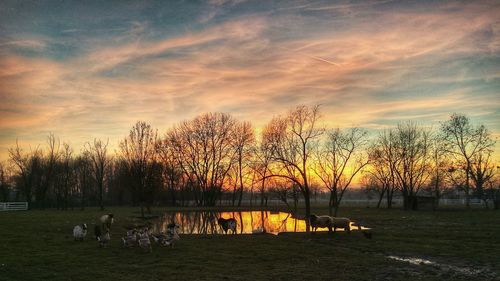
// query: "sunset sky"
[[91, 69]]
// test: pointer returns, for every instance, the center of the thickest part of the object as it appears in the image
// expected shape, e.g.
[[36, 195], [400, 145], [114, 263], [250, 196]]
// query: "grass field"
[[462, 245]]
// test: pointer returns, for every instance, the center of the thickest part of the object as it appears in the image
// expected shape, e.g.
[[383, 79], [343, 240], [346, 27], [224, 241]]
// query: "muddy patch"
[[483, 273]]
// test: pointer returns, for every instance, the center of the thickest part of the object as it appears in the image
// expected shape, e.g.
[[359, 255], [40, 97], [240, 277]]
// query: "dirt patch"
[[447, 269]]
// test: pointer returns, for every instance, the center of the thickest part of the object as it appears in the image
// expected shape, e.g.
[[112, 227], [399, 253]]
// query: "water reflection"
[[249, 222]]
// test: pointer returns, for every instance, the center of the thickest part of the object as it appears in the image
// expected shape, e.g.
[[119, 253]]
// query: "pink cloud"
[[242, 67]]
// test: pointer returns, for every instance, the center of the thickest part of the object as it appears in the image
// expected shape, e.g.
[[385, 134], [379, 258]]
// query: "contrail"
[[313, 57], [323, 60]]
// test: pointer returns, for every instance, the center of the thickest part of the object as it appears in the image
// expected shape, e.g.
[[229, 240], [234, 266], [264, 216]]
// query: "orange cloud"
[[381, 68]]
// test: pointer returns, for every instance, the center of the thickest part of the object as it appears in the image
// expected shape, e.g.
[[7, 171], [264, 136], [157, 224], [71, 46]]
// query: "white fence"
[[13, 206], [396, 202]]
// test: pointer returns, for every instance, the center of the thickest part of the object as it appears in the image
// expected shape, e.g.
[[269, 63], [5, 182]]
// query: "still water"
[[249, 222]]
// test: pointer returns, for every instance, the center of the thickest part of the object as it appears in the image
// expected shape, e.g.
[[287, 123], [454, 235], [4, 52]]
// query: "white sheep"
[[344, 223], [321, 222], [330, 222], [80, 231]]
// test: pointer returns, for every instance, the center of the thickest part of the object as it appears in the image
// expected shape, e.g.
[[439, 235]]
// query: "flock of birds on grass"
[[142, 237]]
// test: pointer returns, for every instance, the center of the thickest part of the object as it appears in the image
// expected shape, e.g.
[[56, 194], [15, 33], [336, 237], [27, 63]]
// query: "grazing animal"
[[103, 239], [330, 222], [228, 224], [97, 232], [80, 231], [321, 222], [344, 223], [106, 221]]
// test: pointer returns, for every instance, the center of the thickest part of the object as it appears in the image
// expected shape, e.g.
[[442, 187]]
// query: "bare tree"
[[371, 184], [4, 182], [385, 154], [29, 168], [261, 166], [67, 178], [413, 153], [138, 152], [51, 159], [401, 159], [337, 162], [482, 171], [171, 172], [382, 163], [494, 188], [100, 163], [465, 143], [439, 167], [291, 140], [244, 140], [282, 191], [204, 149], [83, 170]]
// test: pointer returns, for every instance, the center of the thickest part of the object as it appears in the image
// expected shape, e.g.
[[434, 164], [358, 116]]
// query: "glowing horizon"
[[85, 71]]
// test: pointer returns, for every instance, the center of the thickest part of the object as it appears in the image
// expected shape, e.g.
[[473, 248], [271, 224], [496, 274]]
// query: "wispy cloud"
[[370, 65], [25, 43]]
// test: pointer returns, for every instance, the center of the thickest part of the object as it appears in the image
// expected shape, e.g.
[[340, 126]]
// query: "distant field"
[[458, 244]]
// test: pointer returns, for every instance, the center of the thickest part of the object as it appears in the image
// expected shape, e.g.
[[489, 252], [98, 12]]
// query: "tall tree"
[[261, 166], [413, 151], [382, 164], [29, 166], [172, 173], [204, 149], [83, 170], [51, 159], [482, 172], [244, 139], [100, 163], [67, 178], [337, 162], [138, 152], [465, 143], [4, 182], [291, 140], [439, 166]]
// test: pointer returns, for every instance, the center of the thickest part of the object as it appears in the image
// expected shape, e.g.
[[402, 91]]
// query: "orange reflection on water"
[[248, 222]]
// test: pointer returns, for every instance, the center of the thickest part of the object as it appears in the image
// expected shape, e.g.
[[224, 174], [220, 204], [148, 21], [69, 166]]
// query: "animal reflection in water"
[[245, 222]]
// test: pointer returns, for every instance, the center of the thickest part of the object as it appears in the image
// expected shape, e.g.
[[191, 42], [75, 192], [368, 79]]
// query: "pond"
[[249, 222]]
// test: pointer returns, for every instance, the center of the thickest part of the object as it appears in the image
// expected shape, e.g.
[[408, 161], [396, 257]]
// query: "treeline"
[[215, 157]]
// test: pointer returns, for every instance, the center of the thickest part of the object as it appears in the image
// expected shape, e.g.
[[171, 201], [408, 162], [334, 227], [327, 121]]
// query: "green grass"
[[38, 245]]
